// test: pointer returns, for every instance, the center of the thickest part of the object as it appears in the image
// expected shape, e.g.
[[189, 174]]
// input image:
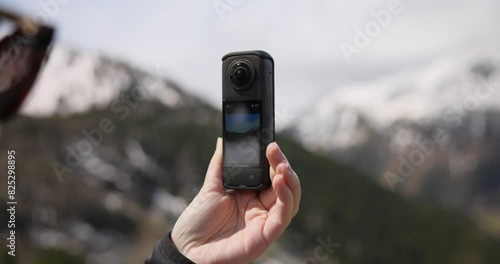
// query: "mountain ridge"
[[130, 188], [442, 153], [408, 96]]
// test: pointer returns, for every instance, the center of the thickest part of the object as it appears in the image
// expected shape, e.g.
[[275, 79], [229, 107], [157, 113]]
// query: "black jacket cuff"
[[165, 252]]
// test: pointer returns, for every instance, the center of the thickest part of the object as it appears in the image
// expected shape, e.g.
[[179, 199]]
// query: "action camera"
[[248, 118]]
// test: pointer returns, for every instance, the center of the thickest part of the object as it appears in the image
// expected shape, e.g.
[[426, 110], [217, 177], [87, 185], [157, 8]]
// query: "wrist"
[[177, 244], [173, 242], [166, 249]]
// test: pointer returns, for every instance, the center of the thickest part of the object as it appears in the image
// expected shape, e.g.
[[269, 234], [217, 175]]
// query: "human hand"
[[237, 226]]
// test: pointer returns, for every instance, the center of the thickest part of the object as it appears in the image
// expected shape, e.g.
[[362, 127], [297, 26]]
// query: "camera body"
[[248, 118]]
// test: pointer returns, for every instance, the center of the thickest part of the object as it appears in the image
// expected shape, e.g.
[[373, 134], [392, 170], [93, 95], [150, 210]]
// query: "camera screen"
[[242, 134]]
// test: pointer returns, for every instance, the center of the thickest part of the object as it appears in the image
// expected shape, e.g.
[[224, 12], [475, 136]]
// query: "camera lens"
[[241, 74]]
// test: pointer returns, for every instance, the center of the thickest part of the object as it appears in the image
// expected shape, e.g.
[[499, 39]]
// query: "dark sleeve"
[[165, 252]]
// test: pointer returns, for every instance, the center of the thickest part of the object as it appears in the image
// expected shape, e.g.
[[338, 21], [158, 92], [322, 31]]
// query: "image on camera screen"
[[242, 134]]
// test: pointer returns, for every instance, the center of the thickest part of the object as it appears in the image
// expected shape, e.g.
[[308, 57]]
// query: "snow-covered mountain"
[[444, 91], [123, 194], [73, 82], [367, 124], [431, 133]]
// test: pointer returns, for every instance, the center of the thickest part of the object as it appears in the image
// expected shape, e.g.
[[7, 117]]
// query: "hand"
[[237, 226]]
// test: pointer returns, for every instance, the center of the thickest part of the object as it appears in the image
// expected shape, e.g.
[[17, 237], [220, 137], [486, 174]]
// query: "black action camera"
[[248, 118]]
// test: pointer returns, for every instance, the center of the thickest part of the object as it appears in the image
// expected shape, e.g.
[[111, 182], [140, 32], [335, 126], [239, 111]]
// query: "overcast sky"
[[187, 39]]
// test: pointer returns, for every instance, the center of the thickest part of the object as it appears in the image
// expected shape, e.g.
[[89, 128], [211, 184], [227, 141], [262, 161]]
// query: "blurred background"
[[388, 110]]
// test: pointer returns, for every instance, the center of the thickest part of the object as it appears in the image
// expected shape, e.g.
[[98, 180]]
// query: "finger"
[[274, 156], [268, 197], [292, 180], [276, 159], [213, 178], [280, 214]]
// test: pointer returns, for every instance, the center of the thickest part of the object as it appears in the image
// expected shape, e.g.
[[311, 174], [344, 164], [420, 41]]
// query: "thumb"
[[213, 178]]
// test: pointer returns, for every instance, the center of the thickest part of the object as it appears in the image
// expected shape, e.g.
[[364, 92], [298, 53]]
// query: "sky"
[[185, 40]]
